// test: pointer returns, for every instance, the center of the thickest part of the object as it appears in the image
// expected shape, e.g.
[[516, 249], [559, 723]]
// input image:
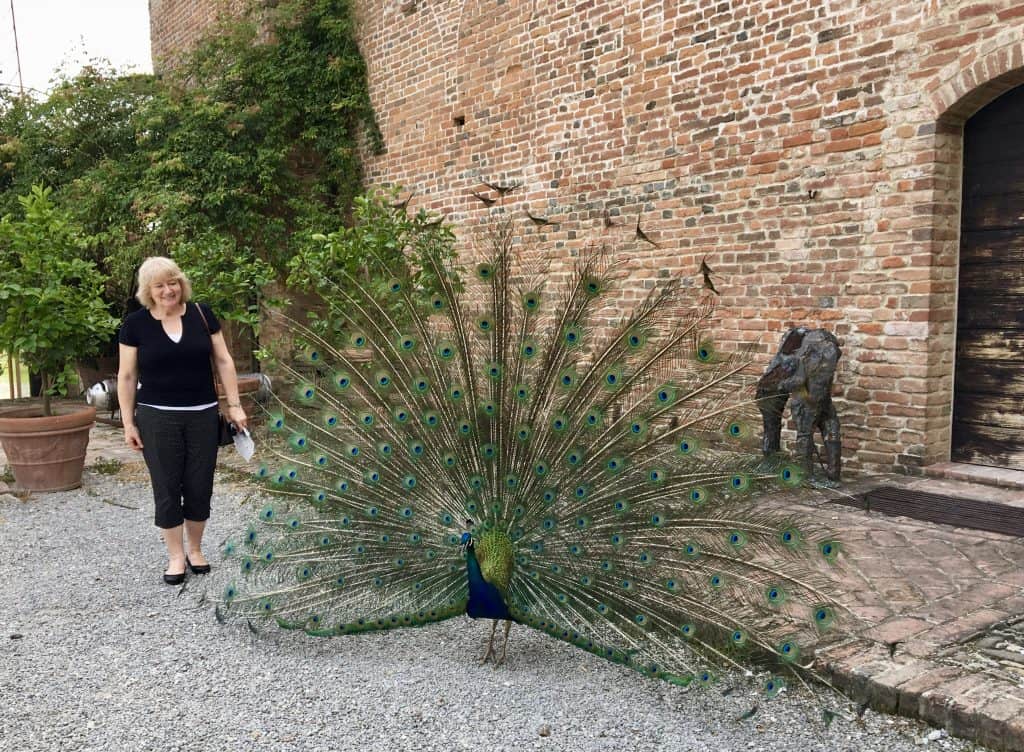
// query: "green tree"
[[51, 306]]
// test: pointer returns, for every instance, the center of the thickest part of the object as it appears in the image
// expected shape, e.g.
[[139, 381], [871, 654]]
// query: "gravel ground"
[[98, 654]]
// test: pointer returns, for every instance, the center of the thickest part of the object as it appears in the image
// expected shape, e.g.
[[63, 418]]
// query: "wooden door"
[[988, 403]]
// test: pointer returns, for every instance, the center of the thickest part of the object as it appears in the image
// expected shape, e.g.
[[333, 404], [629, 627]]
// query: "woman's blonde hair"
[[156, 269]]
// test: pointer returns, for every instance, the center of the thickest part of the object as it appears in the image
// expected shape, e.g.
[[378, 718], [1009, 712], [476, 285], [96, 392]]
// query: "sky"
[[65, 34]]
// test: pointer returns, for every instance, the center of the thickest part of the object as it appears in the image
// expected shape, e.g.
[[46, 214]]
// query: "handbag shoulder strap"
[[203, 317], [213, 368]]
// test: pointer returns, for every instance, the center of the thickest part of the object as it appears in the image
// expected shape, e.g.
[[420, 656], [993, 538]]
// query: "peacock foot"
[[490, 644], [504, 644]]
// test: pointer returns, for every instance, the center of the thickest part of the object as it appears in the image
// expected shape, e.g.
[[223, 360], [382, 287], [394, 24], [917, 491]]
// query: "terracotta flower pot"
[[46, 453]]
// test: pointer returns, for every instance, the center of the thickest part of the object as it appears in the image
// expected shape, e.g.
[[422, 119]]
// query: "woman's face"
[[166, 292]]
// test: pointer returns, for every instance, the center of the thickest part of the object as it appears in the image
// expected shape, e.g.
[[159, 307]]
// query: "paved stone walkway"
[[935, 607], [925, 593]]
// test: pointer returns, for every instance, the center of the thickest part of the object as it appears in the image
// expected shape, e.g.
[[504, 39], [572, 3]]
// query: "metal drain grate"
[[948, 510]]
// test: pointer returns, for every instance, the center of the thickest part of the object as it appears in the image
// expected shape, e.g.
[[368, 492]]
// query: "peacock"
[[508, 443]]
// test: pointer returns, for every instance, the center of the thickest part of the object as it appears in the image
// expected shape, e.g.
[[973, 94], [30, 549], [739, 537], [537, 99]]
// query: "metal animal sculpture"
[[502, 453], [802, 373]]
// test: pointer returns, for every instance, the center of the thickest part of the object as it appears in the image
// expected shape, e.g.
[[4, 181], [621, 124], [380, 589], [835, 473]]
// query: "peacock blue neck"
[[485, 600]]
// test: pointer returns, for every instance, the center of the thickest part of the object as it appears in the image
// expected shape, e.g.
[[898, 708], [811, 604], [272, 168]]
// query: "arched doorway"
[[988, 402]]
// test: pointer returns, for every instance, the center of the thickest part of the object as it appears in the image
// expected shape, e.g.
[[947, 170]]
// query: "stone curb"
[[979, 707]]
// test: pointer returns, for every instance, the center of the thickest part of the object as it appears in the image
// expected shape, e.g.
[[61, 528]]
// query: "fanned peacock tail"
[[600, 468]]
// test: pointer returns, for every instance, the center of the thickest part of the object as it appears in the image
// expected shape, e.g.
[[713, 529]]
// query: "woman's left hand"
[[237, 416]]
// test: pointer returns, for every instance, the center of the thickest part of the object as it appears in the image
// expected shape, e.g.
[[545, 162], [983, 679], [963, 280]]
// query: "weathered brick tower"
[[853, 164]]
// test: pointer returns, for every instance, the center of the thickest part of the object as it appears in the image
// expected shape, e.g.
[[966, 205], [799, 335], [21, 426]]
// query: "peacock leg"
[[490, 643], [504, 645]]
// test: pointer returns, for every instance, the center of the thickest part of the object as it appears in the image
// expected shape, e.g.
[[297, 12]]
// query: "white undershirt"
[[179, 407]]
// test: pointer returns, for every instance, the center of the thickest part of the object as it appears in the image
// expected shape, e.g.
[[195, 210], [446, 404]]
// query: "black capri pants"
[[180, 448]]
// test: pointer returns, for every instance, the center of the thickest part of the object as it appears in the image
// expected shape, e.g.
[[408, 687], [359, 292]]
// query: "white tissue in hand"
[[244, 444]]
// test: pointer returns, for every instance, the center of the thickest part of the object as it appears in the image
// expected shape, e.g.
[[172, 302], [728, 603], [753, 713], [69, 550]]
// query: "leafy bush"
[[382, 241]]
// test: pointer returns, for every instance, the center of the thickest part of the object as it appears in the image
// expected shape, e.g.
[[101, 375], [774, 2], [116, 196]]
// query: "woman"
[[169, 405]]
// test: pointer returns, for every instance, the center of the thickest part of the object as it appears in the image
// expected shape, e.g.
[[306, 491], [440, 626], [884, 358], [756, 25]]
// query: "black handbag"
[[226, 430]]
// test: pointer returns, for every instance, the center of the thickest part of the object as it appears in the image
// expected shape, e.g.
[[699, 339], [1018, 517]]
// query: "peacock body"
[[519, 450]]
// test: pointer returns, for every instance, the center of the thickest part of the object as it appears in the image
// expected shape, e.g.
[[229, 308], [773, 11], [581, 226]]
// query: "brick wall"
[[809, 149]]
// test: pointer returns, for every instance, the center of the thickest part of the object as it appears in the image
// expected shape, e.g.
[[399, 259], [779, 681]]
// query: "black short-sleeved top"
[[172, 374]]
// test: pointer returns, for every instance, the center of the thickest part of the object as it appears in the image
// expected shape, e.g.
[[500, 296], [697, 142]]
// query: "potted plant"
[[51, 313]]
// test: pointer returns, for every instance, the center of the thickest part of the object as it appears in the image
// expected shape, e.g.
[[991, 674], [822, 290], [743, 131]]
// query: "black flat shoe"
[[197, 568], [174, 579]]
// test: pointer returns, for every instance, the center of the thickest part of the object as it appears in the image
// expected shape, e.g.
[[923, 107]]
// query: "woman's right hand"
[[132, 438]]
